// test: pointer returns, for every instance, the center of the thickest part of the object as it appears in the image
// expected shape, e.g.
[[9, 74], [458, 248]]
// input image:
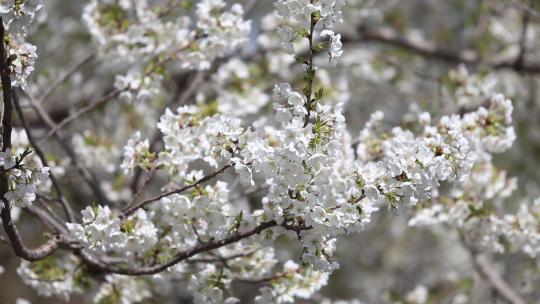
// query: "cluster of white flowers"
[[209, 285], [122, 289], [100, 230], [293, 282], [138, 86], [24, 171], [467, 90], [17, 17], [136, 29], [521, 230], [235, 92], [322, 14], [95, 151], [330, 11], [476, 206], [198, 217], [195, 133], [418, 295], [50, 277], [137, 154], [143, 35], [103, 232]]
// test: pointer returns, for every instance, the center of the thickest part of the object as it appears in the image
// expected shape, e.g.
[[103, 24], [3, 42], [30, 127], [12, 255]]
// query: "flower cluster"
[[24, 174], [196, 133], [102, 231], [235, 92], [293, 282], [17, 17], [135, 29], [137, 154], [122, 289], [209, 285], [50, 277], [96, 151], [323, 14]]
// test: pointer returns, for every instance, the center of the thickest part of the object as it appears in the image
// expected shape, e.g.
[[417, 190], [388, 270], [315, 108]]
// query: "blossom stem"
[[310, 71]]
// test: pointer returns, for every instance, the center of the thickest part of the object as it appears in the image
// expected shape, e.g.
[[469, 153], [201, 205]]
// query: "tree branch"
[[486, 271], [9, 226], [181, 256], [430, 50], [91, 106], [50, 90], [131, 209]]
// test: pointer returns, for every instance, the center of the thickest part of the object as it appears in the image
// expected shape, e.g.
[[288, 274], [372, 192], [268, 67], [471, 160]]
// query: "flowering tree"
[[209, 151]]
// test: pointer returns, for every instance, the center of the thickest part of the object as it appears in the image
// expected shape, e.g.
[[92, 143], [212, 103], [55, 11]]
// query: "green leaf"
[[302, 33], [319, 94], [320, 46], [301, 60]]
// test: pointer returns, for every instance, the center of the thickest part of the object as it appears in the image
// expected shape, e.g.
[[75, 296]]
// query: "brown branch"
[[131, 209], [527, 9], [309, 93], [430, 50], [276, 276], [223, 259], [9, 226], [145, 185], [523, 39], [486, 271], [99, 265], [47, 218], [181, 256], [44, 204]]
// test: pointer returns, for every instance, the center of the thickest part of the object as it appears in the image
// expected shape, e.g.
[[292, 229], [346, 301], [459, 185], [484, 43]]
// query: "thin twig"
[[43, 201], [91, 106], [523, 39], [432, 51], [87, 175], [50, 90], [486, 271], [62, 199], [128, 211], [221, 259], [276, 276], [143, 187]]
